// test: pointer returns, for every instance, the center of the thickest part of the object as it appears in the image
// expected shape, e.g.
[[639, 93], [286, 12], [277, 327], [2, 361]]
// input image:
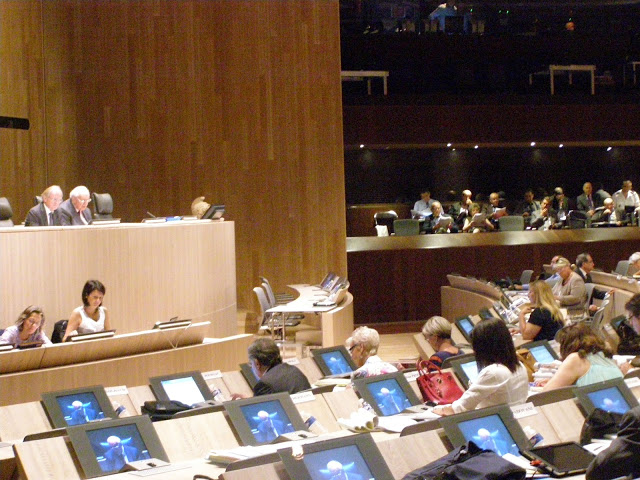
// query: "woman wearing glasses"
[[28, 328], [363, 346]]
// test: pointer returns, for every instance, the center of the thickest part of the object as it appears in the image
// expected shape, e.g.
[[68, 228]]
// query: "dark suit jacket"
[[37, 217], [71, 216], [281, 378], [597, 293], [115, 460], [583, 204]]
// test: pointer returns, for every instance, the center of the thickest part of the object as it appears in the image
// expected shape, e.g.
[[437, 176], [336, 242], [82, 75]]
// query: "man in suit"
[[546, 218], [339, 472], [584, 267], [74, 210], [588, 202], [274, 376], [269, 428], [528, 206], [118, 454], [461, 210], [606, 213], [435, 223], [46, 213], [82, 413]]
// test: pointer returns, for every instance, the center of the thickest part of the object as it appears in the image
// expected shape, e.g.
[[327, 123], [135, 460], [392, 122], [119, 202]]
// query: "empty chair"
[[102, 205], [511, 223], [577, 219], [596, 323], [5, 213], [622, 268], [385, 219], [589, 289], [280, 297], [525, 277], [406, 227], [59, 329]]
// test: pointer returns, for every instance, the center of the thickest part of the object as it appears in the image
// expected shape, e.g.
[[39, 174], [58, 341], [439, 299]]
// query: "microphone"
[[151, 215]]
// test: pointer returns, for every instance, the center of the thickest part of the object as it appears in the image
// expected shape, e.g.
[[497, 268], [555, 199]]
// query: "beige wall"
[[159, 102]]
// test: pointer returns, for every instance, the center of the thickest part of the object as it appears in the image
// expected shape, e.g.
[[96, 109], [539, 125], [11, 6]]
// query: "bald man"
[[75, 209]]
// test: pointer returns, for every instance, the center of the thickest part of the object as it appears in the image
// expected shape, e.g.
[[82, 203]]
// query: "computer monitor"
[[388, 394], [492, 428], [326, 281], [77, 406], [249, 376], [611, 396], [189, 388], [262, 419], [485, 314], [172, 323], [541, 351], [465, 367], [356, 455], [105, 447], [333, 360], [465, 325], [214, 212]]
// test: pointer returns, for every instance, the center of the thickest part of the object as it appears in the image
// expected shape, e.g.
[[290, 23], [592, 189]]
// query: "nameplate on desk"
[[303, 397], [522, 411], [6, 347], [632, 382], [115, 391], [212, 375], [292, 361], [412, 376], [81, 337]]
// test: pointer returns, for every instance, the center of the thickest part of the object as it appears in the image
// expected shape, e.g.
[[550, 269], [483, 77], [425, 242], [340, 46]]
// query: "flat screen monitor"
[[249, 376], [492, 428], [465, 367], [485, 314], [541, 351], [189, 388], [172, 323], [326, 281], [77, 406], [505, 300], [611, 396], [465, 325], [105, 447], [214, 212], [262, 419], [355, 456], [333, 360], [388, 394]]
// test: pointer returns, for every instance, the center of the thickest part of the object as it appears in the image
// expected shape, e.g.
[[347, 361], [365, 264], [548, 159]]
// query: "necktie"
[[50, 218], [590, 203]]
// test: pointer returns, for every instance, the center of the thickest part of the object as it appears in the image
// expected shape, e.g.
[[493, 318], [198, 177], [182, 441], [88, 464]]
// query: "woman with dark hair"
[[91, 316], [502, 379], [28, 328], [585, 359]]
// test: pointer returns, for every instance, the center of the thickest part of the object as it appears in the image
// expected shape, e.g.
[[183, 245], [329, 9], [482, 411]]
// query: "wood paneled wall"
[[160, 102]]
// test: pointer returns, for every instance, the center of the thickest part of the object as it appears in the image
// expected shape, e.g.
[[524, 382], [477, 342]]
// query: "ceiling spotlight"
[[608, 149], [476, 146], [533, 144], [362, 145], [448, 144], [561, 145], [453, 149]]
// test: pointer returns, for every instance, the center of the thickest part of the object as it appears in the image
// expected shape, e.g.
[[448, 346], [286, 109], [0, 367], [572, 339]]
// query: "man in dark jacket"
[[274, 376]]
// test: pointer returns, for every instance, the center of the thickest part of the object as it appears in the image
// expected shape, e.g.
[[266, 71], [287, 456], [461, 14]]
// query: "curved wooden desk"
[[152, 272]]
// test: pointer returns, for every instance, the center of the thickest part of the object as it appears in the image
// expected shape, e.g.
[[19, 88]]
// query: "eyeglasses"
[[352, 347], [81, 200], [31, 321]]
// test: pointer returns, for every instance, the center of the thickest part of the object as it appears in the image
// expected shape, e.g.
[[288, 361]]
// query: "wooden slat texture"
[[160, 102]]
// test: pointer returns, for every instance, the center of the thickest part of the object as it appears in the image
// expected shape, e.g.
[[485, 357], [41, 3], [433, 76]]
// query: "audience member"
[[460, 210], [545, 317], [437, 222], [91, 316], [633, 312], [634, 265], [363, 346], [623, 198], [437, 332], [606, 213], [442, 11], [423, 206], [528, 206], [502, 379], [560, 201], [274, 375], [474, 225], [584, 267], [546, 218], [569, 291], [585, 358], [28, 328], [46, 213], [74, 210], [495, 210], [588, 202]]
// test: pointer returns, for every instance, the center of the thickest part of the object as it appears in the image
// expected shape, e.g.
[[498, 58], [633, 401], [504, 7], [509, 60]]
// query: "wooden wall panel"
[[240, 101]]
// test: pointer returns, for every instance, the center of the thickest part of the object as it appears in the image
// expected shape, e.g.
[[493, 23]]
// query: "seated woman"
[[363, 346], [502, 379], [437, 332], [91, 316], [585, 359], [28, 328], [476, 227], [545, 317]]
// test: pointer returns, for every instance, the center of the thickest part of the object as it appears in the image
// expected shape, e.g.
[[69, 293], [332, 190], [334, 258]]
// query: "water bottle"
[[121, 410], [217, 395]]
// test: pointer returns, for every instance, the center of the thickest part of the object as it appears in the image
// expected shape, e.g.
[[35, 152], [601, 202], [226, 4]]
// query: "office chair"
[[37, 200], [511, 223], [386, 219], [58, 330], [589, 289], [596, 323], [622, 268], [525, 277], [103, 206], [271, 299], [406, 227], [5, 213], [280, 297]]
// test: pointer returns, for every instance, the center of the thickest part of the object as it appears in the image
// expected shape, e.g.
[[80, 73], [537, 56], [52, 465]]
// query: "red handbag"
[[437, 386]]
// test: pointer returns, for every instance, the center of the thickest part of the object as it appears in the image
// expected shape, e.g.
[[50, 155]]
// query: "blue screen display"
[[541, 354], [80, 408], [344, 462], [116, 446], [336, 362], [489, 433], [609, 399], [389, 396], [267, 420]]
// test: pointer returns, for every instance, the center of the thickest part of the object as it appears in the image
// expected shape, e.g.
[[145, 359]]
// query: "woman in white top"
[[502, 379], [91, 316]]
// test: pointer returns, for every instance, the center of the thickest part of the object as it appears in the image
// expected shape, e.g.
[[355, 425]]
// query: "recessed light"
[[561, 145], [448, 144], [533, 144], [476, 146], [608, 149], [361, 145]]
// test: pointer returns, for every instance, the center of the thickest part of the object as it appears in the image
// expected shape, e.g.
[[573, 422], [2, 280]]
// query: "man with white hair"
[[74, 210], [47, 213], [118, 454]]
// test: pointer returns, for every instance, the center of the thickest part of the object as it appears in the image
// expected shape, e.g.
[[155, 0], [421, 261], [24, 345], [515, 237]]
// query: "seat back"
[[271, 297], [525, 277], [58, 331], [406, 227], [511, 223], [622, 268], [386, 219], [37, 200], [102, 205], [596, 323], [264, 304], [577, 219], [5, 213], [589, 289]]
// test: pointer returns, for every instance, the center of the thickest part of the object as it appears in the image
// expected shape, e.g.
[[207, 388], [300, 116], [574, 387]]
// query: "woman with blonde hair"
[[545, 317], [437, 332], [363, 346]]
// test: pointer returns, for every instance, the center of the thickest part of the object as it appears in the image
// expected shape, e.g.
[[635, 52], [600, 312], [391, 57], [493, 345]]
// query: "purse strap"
[[426, 366]]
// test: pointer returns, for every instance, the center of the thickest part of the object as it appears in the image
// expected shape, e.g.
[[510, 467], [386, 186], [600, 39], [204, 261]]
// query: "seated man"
[[274, 376], [460, 210], [527, 206], [437, 222], [74, 210], [494, 210], [569, 291], [606, 213], [422, 207], [46, 213], [584, 267], [546, 218], [588, 202], [560, 201], [625, 198]]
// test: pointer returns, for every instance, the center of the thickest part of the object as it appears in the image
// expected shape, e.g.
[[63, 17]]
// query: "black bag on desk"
[[163, 409], [598, 424], [629, 339], [468, 462]]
